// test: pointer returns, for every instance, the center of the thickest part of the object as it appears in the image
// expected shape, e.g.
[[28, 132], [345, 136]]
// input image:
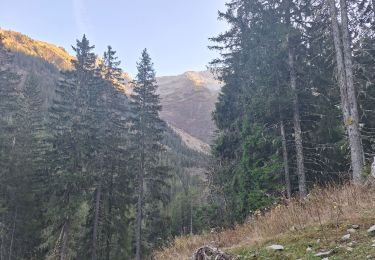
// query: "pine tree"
[[23, 146], [72, 126], [347, 90], [147, 129], [112, 198]]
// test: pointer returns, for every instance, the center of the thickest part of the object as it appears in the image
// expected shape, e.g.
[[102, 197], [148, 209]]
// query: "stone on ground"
[[371, 230], [355, 226], [276, 247], [209, 252], [345, 238], [324, 254]]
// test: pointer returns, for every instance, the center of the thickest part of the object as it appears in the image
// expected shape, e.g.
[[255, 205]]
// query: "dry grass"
[[322, 206]]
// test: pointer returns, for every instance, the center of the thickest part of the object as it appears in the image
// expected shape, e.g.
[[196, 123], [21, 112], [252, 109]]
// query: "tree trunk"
[[12, 236], [297, 126], [139, 210], [351, 122], [64, 247], [285, 158], [356, 148], [109, 221], [191, 216], [96, 222], [2, 239]]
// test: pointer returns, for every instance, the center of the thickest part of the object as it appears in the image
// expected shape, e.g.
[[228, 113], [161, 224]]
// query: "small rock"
[[276, 247], [325, 258], [209, 252], [318, 241], [355, 226], [309, 249], [351, 244], [351, 230], [325, 253], [373, 245], [345, 238], [371, 230]]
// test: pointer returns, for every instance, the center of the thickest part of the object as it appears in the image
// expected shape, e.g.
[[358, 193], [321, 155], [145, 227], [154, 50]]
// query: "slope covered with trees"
[[88, 172], [295, 110], [71, 161]]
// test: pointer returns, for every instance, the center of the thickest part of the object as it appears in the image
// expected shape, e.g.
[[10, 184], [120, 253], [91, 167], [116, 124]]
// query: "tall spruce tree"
[[147, 129], [349, 103], [72, 126]]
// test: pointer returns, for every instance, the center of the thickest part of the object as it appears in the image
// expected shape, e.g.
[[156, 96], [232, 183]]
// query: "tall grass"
[[329, 205]]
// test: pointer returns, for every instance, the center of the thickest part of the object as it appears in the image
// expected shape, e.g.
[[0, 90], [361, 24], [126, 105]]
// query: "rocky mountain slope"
[[188, 99]]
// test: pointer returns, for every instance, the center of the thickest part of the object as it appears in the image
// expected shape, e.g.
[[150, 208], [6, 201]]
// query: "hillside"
[[333, 221], [188, 99], [55, 55]]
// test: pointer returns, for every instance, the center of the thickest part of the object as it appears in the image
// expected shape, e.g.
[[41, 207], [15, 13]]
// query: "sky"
[[175, 32]]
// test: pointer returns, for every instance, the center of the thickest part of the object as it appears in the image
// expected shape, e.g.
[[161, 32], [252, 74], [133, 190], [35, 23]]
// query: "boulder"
[[209, 252], [351, 230]]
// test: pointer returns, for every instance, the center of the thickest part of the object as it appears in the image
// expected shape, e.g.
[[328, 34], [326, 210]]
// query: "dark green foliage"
[[256, 96], [147, 131], [22, 151]]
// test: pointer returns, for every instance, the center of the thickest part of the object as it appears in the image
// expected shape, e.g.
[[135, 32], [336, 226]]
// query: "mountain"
[[55, 55], [188, 99]]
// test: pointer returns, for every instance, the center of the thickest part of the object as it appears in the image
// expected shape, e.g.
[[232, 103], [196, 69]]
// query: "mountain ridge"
[[187, 99]]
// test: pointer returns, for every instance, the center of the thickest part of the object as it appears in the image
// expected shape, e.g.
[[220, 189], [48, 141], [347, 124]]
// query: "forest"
[[296, 109], [88, 172]]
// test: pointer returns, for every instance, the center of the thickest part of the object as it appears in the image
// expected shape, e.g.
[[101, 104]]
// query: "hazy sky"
[[175, 32]]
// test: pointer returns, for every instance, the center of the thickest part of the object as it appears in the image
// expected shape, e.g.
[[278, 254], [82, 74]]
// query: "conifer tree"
[[22, 150], [349, 103], [72, 128], [147, 130]]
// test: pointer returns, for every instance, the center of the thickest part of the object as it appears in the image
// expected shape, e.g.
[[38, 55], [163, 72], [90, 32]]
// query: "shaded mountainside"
[[188, 99], [43, 61], [41, 137]]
